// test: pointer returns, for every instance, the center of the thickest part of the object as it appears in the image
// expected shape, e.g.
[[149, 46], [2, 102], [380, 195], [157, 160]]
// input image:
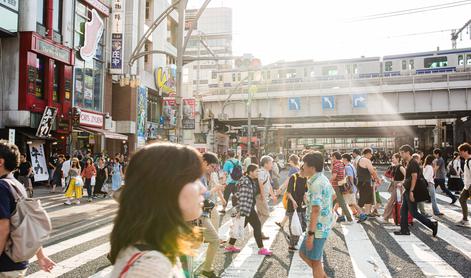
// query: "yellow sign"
[[165, 79]]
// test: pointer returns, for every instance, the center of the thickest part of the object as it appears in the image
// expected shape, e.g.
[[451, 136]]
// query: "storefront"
[[89, 134]]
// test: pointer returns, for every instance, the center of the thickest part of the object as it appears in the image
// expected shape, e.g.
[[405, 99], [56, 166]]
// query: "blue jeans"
[[408, 206], [431, 192]]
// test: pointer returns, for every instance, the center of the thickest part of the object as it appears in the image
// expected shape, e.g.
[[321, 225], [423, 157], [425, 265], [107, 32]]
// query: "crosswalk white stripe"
[[74, 262], [104, 273], [365, 259], [447, 200], [64, 245], [455, 239], [247, 262], [423, 256], [298, 268]]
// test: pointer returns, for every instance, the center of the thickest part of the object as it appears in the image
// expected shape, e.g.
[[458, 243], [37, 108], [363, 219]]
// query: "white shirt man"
[[465, 152]]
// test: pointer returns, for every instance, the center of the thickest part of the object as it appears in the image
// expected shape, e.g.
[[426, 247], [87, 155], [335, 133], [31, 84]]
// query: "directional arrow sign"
[[294, 103], [359, 101], [328, 103]]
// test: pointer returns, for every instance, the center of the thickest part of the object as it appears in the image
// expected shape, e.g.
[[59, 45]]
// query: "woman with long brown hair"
[[162, 193]]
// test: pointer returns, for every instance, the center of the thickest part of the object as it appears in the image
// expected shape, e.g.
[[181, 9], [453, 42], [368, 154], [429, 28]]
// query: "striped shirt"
[[338, 168]]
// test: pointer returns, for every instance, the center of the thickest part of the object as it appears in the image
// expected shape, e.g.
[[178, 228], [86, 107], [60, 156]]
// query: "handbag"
[[78, 181], [237, 229], [93, 181]]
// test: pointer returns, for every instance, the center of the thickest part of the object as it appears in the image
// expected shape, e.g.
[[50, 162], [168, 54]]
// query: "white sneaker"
[[77, 202], [348, 222], [68, 203], [463, 223]]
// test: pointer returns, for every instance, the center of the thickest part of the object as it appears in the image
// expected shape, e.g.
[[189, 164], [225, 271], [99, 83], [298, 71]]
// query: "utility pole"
[[249, 115], [180, 53]]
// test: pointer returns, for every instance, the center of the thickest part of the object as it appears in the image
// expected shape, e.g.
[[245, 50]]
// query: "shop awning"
[[108, 134], [32, 136]]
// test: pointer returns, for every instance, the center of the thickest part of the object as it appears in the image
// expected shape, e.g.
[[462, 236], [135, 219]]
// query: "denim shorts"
[[316, 252]]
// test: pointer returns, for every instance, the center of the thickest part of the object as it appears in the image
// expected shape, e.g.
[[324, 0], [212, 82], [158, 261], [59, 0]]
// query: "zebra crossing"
[[357, 250]]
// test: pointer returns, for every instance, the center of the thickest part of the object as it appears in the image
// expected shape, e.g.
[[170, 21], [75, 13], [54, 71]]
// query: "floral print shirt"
[[320, 193]]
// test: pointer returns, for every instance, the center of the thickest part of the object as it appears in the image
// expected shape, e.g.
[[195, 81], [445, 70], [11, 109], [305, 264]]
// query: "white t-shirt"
[[467, 174], [428, 174], [264, 177], [66, 168]]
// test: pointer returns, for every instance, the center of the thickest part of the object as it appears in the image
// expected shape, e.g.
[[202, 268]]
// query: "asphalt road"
[[79, 244]]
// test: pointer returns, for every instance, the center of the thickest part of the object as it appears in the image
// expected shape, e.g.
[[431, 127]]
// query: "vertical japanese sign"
[[141, 116], [170, 112], [38, 161], [188, 121], [47, 120], [117, 19]]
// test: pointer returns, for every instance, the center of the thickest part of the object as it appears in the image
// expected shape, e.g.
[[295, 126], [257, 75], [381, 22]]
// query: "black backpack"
[[451, 169], [236, 172]]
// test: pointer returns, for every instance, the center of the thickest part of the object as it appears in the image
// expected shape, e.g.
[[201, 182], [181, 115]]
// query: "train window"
[[404, 64], [388, 66], [460, 60], [468, 59], [411, 64], [268, 75], [355, 69], [349, 69], [291, 73], [330, 70], [436, 62]]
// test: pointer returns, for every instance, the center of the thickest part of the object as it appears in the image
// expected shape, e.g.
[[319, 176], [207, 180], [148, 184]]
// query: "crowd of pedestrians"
[[179, 190]]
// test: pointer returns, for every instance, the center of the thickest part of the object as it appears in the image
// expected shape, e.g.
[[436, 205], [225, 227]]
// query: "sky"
[[275, 30]]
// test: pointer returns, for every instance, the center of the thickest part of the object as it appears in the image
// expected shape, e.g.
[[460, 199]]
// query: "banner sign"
[[188, 121], [93, 32], [45, 125], [117, 17], [170, 112], [165, 79], [91, 119], [38, 161], [141, 116]]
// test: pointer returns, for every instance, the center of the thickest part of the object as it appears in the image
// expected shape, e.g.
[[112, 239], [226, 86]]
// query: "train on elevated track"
[[440, 61]]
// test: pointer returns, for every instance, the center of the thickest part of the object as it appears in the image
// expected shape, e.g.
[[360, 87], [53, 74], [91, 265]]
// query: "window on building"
[[40, 12], [239, 76], [388, 66], [221, 77], [268, 75], [57, 18], [148, 61], [233, 77], [55, 85], [40, 68], [148, 10], [214, 75], [89, 77], [435, 62], [404, 64], [411, 64], [330, 70]]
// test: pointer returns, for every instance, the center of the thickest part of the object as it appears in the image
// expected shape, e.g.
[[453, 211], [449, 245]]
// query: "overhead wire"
[[411, 11]]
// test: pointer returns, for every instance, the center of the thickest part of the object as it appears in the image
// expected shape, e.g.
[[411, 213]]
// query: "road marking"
[[447, 200], [455, 239], [72, 242], [104, 273], [298, 268], [74, 262], [247, 262], [365, 259], [423, 256]]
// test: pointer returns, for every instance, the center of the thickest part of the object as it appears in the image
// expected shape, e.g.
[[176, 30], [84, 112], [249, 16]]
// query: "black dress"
[[100, 180]]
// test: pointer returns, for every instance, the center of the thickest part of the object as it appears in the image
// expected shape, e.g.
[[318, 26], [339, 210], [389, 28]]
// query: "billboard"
[[188, 120], [141, 116], [169, 108]]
